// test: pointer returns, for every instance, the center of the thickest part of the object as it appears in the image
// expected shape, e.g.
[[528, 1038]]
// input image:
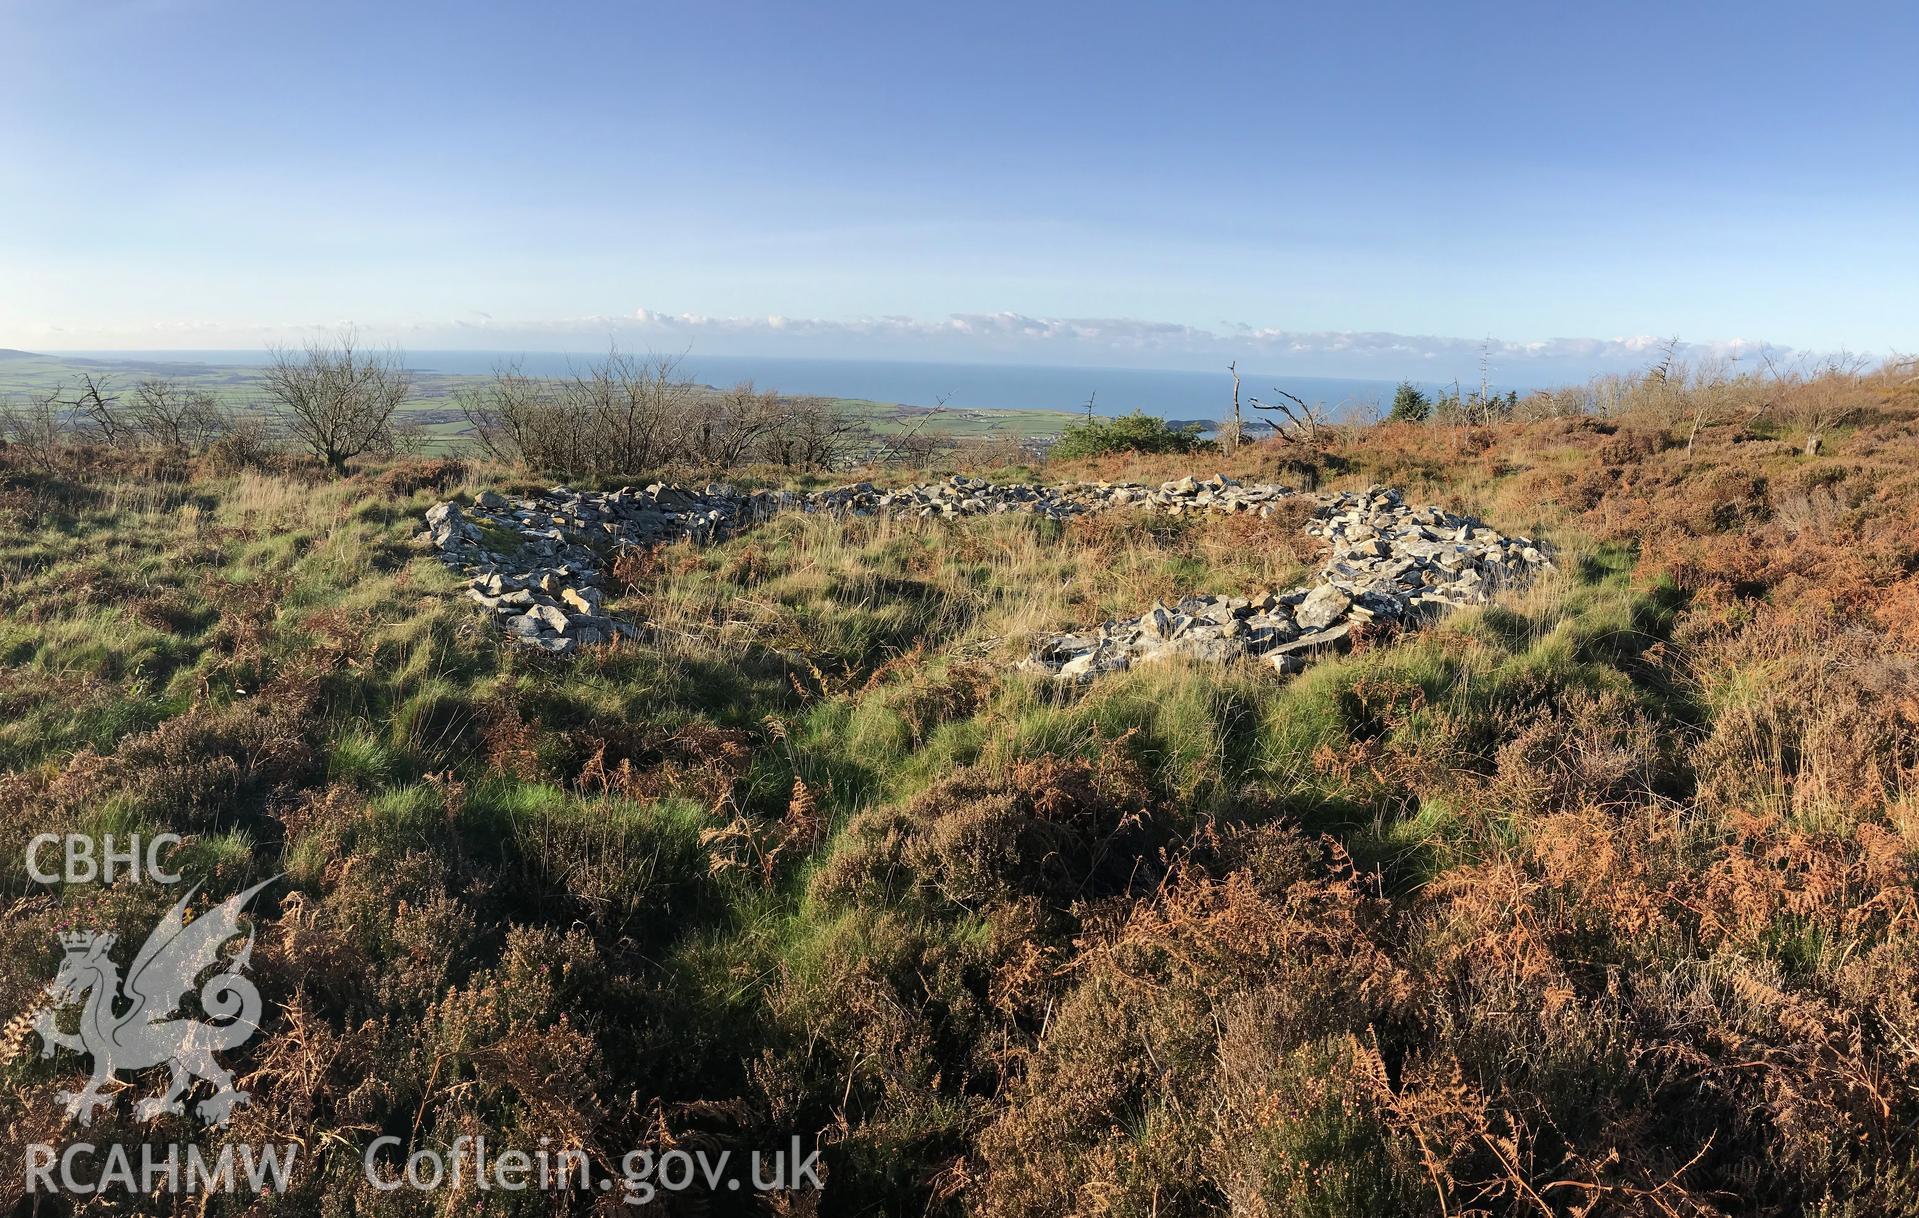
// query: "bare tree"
[[337, 400], [617, 416], [730, 429], [626, 416], [36, 428], [815, 435], [638, 407], [98, 409], [1666, 369], [909, 444], [1298, 423], [1828, 395], [1234, 429], [504, 413], [173, 416]]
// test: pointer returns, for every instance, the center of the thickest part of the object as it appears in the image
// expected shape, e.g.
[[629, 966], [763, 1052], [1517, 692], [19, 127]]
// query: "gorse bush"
[[1130, 433]]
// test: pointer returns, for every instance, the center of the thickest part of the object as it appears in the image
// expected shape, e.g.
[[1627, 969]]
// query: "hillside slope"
[[1595, 898]]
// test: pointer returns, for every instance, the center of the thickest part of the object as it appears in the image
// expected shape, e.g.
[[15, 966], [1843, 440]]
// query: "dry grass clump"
[[1816, 722]]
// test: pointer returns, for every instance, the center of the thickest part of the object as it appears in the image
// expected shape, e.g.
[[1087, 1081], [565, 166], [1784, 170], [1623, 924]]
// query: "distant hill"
[[10, 353]]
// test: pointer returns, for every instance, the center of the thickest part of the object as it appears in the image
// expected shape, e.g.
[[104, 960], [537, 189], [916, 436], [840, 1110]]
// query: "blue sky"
[[1338, 189]]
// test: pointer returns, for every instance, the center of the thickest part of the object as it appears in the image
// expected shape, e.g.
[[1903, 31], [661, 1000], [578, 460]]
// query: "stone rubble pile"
[[1388, 562], [536, 562], [964, 496]]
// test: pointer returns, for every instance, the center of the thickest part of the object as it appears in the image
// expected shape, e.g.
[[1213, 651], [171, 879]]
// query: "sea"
[[1170, 394]]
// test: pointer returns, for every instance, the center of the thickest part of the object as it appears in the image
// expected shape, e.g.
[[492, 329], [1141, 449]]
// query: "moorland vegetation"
[[1597, 899]]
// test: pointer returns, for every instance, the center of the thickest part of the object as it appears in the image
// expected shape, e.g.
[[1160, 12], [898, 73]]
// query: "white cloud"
[[978, 336], [1130, 336]]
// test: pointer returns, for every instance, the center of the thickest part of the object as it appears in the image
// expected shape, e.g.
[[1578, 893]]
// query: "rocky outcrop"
[[536, 563], [1387, 562]]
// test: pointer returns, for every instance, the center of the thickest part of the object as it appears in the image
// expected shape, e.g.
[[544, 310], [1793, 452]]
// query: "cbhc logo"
[[84, 863]]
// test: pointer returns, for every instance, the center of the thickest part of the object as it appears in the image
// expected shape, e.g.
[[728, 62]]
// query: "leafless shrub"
[[624, 416], [619, 415], [732, 426], [1828, 392], [35, 431], [173, 416], [245, 442], [1551, 404], [338, 401], [919, 449], [501, 413], [96, 408], [636, 407], [1296, 422], [815, 435], [997, 449]]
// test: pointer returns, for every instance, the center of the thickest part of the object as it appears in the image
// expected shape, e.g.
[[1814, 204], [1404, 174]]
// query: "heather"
[[1594, 899]]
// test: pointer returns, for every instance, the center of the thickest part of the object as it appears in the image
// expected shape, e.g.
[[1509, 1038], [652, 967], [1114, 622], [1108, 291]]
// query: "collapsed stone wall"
[[1388, 561], [537, 562], [963, 496]]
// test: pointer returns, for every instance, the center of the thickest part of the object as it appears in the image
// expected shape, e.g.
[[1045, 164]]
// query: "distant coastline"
[[1169, 393]]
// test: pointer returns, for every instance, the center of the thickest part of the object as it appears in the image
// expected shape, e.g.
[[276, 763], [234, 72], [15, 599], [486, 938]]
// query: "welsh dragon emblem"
[[135, 1023]]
